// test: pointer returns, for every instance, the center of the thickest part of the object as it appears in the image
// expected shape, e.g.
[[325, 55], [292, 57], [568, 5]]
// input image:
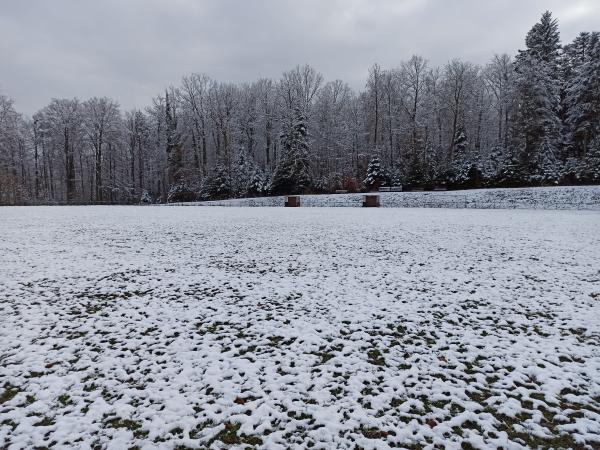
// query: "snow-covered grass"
[[290, 328], [559, 197]]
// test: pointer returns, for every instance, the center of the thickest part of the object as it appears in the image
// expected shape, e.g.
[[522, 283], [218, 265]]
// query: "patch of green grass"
[[538, 396], [336, 391], [90, 387], [65, 400], [35, 374], [9, 393], [299, 415], [177, 431], [44, 422], [10, 423], [396, 402], [195, 433], [373, 433], [228, 435], [367, 391], [275, 340], [375, 357], [128, 424]]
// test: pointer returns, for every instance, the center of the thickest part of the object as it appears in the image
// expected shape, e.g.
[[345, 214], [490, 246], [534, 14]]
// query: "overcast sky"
[[132, 49]]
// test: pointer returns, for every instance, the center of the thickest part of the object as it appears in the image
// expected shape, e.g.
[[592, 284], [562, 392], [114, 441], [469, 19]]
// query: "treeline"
[[529, 120]]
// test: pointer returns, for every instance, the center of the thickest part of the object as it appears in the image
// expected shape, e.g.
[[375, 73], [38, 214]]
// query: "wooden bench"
[[371, 201], [292, 201]]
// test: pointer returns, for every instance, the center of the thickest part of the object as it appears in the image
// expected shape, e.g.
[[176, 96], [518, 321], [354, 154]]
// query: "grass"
[[8, 393]]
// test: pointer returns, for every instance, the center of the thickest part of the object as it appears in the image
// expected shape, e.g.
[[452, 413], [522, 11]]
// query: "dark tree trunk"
[[140, 163], [268, 136], [99, 169], [69, 168]]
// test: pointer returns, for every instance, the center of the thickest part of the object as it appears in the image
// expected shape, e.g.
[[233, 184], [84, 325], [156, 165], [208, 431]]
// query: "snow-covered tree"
[[376, 176], [242, 172], [538, 89], [173, 145], [13, 174], [145, 198], [217, 185], [499, 77], [292, 174], [259, 184], [61, 125], [102, 125], [465, 171], [583, 92]]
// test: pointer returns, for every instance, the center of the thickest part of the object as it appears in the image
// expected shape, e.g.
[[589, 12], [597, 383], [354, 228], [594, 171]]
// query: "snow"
[[277, 327], [567, 197]]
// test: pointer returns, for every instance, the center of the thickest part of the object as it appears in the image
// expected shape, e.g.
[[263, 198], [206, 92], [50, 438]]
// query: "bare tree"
[[102, 124]]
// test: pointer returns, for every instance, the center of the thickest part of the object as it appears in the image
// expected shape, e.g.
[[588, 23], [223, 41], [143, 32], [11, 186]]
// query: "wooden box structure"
[[371, 201], [292, 201]]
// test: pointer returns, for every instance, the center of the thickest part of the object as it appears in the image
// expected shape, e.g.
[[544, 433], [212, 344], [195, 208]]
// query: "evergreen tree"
[[511, 173], [538, 89], [543, 42], [465, 171], [259, 184], [241, 174], [376, 176], [575, 54], [460, 141], [591, 171], [217, 185], [145, 197], [292, 174], [583, 92], [462, 162]]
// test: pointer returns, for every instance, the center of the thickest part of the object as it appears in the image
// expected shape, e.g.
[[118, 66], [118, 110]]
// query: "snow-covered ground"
[[291, 328], [560, 197]]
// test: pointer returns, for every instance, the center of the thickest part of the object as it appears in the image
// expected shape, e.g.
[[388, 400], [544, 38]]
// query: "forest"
[[532, 119]]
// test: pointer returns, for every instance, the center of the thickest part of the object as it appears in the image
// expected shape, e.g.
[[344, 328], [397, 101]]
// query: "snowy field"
[[558, 197], [192, 327]]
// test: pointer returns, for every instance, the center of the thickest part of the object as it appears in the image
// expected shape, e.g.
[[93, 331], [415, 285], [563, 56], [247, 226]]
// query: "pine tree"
[[543, 42], [259, 184], [575, 54], [583, 92], [538, 89], [292, 174], [376, 176], [241, 174], [217, 185], [465, 171], [591, 163], [462, 162], [145, 197]]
